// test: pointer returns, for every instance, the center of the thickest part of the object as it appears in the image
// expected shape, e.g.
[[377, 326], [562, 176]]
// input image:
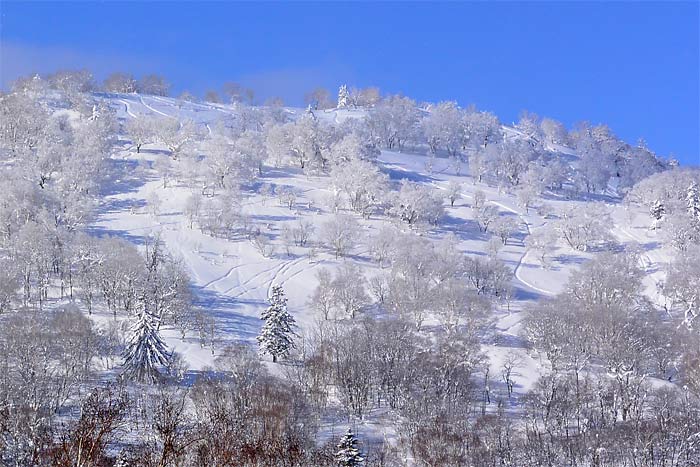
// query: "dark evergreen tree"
[[348, 455], [276, 335], [146, 350]]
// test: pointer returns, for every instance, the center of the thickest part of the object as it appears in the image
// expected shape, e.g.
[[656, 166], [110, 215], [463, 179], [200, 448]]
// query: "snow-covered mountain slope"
[[402, 272], [232, 281]]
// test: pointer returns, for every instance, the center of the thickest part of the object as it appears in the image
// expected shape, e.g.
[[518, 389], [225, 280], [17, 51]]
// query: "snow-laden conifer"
[[276, 336], [146, 350], [348, 455]]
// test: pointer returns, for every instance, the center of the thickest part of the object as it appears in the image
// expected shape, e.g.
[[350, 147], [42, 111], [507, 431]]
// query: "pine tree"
[[343, 97], [658, 210], [348, 455], [693, 202], [276, 335], [146, 349]]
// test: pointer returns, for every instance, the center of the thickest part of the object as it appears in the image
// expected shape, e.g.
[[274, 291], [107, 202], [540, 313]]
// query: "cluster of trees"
[[673, 200], [609, 350], [419, 278], [74, 82], [241, 416]]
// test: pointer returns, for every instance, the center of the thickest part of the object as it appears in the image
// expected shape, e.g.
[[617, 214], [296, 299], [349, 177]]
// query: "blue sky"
[[634, 66]]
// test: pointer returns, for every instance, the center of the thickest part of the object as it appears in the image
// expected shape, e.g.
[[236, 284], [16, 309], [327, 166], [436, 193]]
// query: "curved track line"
[[251, 278], [228, 274], [154, 109], [128, 109]]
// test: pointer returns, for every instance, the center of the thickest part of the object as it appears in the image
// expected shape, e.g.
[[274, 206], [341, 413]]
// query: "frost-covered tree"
[[481, 129], [554, 131], [353, 147], [340, 234], [393, 121], [529, 125], [140, 130], [155, 85], [381, 244], [454, 192], [146, 351], [504, 227], [229, 164], [585, 227], [323, 299], [510, 159], [176, 135], [349, 289], [344, 97], [692, 199], [363, 183], [443, 127], [120, 83], [657, 212], [484, 215], [348, 455], [305, 142], [319, 98], [365, 97], [415, 204], [276, 335], [542, 243], [682, 284]]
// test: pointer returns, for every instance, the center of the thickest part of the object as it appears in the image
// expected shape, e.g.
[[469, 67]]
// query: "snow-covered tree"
[[584, 227], [443, 127], [305, 142], [657, 212], [481, 129], [349, 289], [353, 147], [276, 336], [365, 97], [363, 183], [176, 135], [319, 98], [454, 192], [529, 125], [504, 227], [692, 199], [154, 84], [344, 97], [554, 131], [146, 351], [393, 121], [682, 284], [340, 234], [542, 242], [140, 130], [121, 83], [484, 215], [348, 455], [415, 203]]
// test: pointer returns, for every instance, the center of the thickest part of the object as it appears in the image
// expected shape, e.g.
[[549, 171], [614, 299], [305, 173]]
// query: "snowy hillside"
[[452, 284]]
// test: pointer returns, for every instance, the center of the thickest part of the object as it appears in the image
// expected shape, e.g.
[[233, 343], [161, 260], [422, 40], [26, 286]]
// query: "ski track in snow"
[[225, 276], [128, 108], [154, 109], [251, 279], [516, 271], [275, 279]]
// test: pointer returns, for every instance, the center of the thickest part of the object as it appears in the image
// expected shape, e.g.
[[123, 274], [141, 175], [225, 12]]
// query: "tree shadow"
[[231, 324]]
